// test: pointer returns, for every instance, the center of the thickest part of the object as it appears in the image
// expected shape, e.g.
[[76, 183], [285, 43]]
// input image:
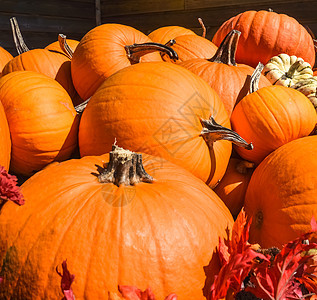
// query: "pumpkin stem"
[[17, 37], [124, 167], [255, 78], [212, 132], [170, 43], [243, 166], [227, 50], [81, 107], [200, 20], [136, 51], [64, 46]]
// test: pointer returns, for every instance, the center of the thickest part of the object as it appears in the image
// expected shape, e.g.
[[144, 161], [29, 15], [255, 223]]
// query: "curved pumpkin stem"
[[227, 50], [255, 78], [124, 167], [170, 43], [200, 20], [212, 132], [64, 46], [17, 37], [136, 51]]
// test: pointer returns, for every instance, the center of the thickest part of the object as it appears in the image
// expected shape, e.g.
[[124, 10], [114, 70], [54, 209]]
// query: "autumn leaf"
[[66, 282], [9, 190]]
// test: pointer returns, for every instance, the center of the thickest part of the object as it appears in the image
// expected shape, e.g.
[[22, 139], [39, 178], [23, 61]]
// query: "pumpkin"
[[266, 34], [164, 110], [42, 120], [5, 140], [164, 34], [191, 46], [309, 88], [233, 186], [5, 57], [57, 46], [282, 194], [287, 70], [223, 74], [271, 117], [115, 225], [105, 50]]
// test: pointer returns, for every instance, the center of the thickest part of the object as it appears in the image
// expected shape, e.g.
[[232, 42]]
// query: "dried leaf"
[[9, 190], [66, 282]]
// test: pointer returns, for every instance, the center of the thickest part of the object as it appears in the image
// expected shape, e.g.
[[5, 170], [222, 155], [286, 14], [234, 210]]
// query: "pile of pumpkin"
[[138, 152]]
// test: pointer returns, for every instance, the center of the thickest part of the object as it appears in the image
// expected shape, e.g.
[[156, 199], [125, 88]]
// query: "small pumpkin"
[[5, 57], [309, 88], [5, 140], [190, 47], [271, 117], [266, 34], [41, 118], [164, 34], [117, 221], [107, 49], [52, 64], [282, 194], [232, 187], [287, 70], [223, 73]]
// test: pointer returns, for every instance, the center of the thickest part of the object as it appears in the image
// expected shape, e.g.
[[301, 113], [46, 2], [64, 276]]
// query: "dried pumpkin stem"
[[255, 78], [170, 43], [201, 22], [124, 168], [17, 37], [243, 166], [212, 132], [64, 46], [227, 50], [136, 51], [81, 107]]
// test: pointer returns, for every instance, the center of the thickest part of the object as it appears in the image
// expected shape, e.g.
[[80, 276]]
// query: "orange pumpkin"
[[282, 194], [191, 47], [114, 228], [233, 186], [161, 109], [164, 34], [5, 140], [271, 117], [52, 64], [266, 34], [107, 49], [5, 57], [42, 120], [223, 74]]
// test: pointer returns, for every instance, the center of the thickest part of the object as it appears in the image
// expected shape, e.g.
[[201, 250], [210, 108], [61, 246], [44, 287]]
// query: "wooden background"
[[42, 20]]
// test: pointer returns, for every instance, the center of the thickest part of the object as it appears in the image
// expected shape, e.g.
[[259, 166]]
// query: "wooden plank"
[[213, 17], [128, 7], [56, 25], [56, 8], [196, 4]]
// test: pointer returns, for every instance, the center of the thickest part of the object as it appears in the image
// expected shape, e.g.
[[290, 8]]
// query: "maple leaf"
[[237, 257], [282, 278], [9, 190], [66, 282]]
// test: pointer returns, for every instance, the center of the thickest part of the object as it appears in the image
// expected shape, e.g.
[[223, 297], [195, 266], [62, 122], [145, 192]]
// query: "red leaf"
[[66, 282], [8, 188]]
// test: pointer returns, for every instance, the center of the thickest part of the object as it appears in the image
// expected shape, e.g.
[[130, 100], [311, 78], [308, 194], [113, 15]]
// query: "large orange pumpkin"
[[161, 234], [282, 194], [271, 117], [266, 34], [5, 140], [107, 49], [166, 33], [221, 71], [161, 109], [42, 120]]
